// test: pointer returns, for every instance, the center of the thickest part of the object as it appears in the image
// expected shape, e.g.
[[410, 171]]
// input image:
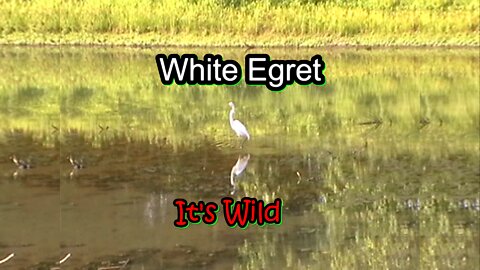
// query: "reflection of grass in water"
[[124, 92], [365, 203], [28, 94], [365, 199], [369, 239], [365, 189]]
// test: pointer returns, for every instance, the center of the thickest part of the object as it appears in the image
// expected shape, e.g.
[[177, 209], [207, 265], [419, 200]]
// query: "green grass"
[[236, 23]]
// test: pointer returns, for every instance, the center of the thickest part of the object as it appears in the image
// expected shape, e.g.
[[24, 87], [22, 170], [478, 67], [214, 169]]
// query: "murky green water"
[[378, 169]]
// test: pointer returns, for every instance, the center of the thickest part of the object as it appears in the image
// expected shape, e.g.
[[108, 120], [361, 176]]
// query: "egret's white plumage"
[[236, 125]]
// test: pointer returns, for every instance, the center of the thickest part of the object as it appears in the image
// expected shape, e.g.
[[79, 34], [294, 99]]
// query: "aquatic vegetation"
[[123, 91]]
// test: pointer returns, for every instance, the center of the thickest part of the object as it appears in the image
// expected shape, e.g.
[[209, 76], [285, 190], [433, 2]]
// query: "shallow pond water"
[[377, 169]]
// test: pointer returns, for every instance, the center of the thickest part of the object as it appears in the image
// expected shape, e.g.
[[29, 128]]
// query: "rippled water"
[[377, 169]]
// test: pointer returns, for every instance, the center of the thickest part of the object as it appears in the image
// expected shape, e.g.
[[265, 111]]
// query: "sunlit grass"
[[288, 22]]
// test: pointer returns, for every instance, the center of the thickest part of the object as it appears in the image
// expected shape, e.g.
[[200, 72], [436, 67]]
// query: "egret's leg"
[[243, 142]]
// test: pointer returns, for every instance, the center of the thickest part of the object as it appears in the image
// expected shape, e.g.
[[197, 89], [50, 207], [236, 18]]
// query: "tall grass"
[[236, 22]]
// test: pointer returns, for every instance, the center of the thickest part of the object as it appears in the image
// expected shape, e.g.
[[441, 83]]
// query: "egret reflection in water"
[[238, 169]]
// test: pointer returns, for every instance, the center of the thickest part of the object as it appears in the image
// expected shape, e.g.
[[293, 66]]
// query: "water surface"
[[377, 169]]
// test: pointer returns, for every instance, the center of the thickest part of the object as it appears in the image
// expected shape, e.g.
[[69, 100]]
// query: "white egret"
[[237, 126]]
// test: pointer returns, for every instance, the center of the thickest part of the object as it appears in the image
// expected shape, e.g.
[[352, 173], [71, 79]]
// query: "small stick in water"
[[65, 258], [7, 258], [299, 177]]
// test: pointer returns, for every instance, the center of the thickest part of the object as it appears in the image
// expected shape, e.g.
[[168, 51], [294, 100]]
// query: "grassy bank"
[[236, 22]]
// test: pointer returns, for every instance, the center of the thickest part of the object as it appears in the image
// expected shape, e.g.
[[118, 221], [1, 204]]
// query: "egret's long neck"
[[232, 113]]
